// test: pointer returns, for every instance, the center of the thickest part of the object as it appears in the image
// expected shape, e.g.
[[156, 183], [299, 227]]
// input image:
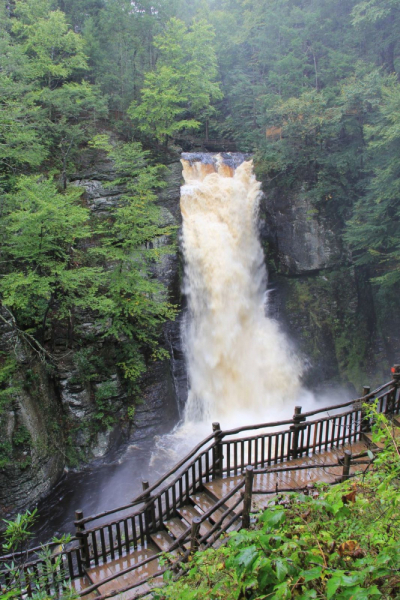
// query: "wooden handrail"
[[193, 462], [142, 497]]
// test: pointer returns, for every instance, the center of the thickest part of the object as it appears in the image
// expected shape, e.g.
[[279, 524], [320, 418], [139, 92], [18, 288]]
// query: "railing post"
[[217, 452], [149, 516], [82, 537], [395, 373], [296, 428], [365, 422], [194, 535], [346, 465], [247, 497]]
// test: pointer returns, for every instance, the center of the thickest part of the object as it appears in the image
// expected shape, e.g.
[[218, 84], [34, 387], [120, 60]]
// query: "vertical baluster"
[[262, 451], [134, 536], [82, 537], [308, 439], [321, 435], [256, 452], [283, 446], [315, 436], [340, 429], [277, 442], [228, 459], [174, 499], [302, 436], [94, 545], [333, 435], [167, 508], [235, 458], [103, 545], [365, 424], [126, 532], [78, 562], [242, 462], [269, 450], [160, 508], [345, 428], [71, 570], [249, 454], [119, 542], [55, 577], [111, 541], [141, 529], [350, 426], [328, 422], [207, 457], [187, 485], [180, 485]]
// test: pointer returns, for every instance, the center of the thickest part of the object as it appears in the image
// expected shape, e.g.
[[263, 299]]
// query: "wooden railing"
[[221, 454]]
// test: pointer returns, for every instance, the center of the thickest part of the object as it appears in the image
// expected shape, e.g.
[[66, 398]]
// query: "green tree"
[[46, 267], [135, 303], [374, 230], [54, 62], [183, 85], [21, 142]]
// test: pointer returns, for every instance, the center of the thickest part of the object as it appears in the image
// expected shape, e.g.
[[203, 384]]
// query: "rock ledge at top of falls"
[[231, 159]]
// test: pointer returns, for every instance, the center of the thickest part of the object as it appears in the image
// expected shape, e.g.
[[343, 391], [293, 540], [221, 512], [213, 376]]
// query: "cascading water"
[[240, 364]]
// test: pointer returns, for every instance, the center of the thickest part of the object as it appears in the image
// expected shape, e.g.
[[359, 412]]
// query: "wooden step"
[[367, 437], [98, 574], [396, 420], [219, 488], [188, 512], [163, 541], [205, 502], [176, 526], [82, 583]]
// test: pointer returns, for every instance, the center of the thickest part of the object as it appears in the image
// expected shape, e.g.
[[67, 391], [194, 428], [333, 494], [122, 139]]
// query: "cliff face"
[[76, 412], [336, 318]]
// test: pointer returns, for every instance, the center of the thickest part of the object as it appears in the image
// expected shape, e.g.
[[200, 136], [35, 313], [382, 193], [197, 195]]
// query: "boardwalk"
[[213, 489], [202, 502]]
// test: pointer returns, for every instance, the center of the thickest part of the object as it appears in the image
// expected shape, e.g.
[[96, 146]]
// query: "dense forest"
[[310, 87]]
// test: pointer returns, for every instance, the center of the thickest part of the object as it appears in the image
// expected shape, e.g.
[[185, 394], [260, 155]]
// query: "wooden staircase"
[[266, 486], [193, 504], [161, 541]]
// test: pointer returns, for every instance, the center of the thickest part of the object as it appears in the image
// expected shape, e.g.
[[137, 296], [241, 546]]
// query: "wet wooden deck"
[[272, 482], [200, 503]]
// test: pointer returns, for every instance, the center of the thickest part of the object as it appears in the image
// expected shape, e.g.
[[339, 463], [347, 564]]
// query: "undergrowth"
[[340, 543]]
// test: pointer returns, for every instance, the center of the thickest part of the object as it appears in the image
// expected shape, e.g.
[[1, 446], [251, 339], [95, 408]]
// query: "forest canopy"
[[310, 87]]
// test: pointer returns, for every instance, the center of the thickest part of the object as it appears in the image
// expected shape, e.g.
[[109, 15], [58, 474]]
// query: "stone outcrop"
[[326, 305], [58, 411]]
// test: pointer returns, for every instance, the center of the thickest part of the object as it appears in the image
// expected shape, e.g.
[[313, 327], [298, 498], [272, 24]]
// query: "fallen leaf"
[[351, 497], [347, 548]]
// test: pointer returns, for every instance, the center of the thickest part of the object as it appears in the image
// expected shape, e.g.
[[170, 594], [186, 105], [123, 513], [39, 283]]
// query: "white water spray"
[[240, 364]]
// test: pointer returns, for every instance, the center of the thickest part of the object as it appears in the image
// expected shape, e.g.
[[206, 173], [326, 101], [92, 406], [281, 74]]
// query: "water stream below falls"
[[241, 367]]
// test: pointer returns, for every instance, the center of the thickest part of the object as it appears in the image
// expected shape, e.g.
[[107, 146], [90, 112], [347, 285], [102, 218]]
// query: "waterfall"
[[240, 364]]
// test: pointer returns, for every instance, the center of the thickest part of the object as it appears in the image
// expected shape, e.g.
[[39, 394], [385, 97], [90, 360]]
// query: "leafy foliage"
[[341, 543], [182, 83], [16, 542]]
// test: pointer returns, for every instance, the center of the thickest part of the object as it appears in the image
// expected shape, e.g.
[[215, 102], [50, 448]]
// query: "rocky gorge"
[[70, 415]]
